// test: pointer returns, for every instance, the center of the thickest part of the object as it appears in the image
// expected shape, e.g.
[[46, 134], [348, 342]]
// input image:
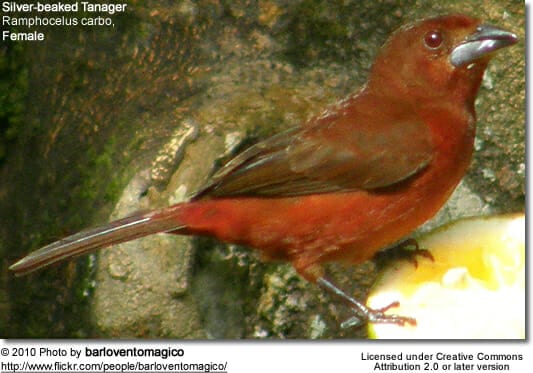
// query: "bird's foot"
[[378, 316], [365, 314], [408, 249]]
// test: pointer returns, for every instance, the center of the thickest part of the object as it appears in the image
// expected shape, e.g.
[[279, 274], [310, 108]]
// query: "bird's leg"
[[364, 313], [403, 250]]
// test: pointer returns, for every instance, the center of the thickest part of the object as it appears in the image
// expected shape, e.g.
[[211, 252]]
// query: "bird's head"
[[437, 57]]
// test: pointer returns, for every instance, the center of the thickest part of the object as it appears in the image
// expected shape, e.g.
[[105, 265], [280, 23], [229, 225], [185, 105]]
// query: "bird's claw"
[[402, 251], [378, 316], [411, 255], [362, 312]]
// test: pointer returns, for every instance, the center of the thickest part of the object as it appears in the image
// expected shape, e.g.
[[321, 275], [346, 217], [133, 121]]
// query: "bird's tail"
[[118, 231]]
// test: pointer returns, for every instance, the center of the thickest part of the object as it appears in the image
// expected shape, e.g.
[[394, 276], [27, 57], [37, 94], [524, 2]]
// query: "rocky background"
[[97, 123]]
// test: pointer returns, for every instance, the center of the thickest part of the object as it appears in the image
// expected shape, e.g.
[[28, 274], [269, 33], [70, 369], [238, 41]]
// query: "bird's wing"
[[325, 159]]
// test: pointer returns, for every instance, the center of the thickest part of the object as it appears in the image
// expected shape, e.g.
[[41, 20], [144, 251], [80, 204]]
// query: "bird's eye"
[[433, 40]]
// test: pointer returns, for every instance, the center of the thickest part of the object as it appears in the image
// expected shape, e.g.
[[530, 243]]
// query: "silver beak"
[[486, 40]]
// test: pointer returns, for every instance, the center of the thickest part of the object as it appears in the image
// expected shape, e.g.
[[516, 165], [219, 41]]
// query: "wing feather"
[[325, 159]]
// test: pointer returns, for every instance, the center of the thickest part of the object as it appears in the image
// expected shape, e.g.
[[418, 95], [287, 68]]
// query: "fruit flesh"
[[474, 289]]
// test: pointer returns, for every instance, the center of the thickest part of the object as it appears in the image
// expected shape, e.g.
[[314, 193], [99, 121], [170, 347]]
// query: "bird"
[[360, 176]]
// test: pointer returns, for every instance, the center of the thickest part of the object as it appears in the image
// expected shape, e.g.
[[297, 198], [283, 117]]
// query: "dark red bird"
[[357, 178]]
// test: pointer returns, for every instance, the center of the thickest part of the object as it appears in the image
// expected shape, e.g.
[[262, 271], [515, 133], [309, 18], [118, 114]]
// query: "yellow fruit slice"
[[474, 289]]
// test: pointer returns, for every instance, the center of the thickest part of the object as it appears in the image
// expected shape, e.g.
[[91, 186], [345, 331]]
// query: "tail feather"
[[118, 231]]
